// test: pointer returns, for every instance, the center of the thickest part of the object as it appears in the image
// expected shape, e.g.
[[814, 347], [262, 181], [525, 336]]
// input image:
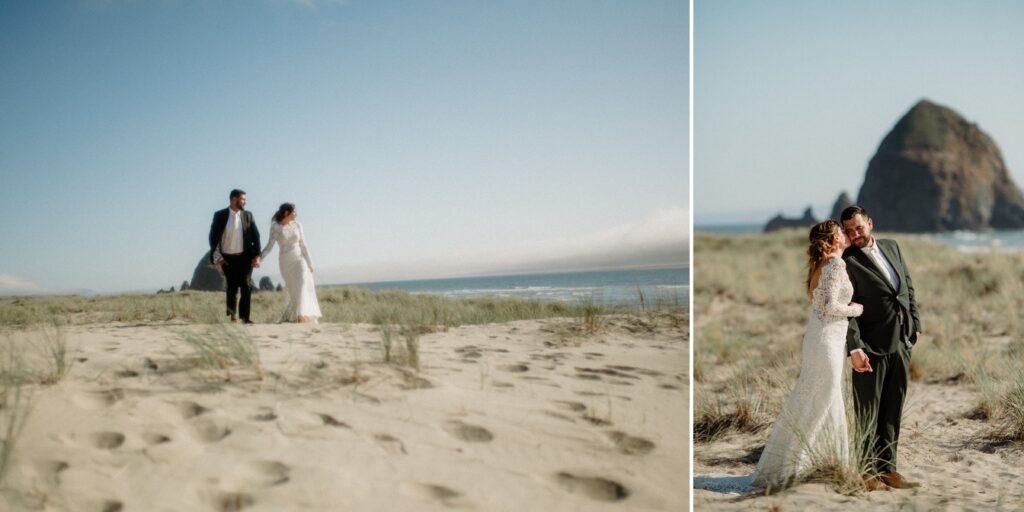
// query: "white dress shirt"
[[231, 240], [875, 253]]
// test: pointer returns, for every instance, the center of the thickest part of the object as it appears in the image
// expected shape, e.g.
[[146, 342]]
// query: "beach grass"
[[339, 305], [222, 346], [15, 402], [750, 310]]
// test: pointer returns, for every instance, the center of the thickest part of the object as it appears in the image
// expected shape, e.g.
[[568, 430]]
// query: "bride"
[[296, 268], [812, 425]]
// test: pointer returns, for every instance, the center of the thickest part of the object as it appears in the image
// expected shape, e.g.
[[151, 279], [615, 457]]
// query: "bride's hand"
[[859, 308]]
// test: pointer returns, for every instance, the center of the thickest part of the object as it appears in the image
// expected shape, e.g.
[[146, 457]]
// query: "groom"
[[880, 340], [234, 233]]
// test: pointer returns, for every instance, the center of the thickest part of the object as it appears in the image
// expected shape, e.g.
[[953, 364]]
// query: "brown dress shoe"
[[896, 481], [873, 483]]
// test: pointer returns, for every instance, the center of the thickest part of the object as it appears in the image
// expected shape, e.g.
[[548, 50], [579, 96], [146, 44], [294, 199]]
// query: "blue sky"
[[418, 139], [792, 98]]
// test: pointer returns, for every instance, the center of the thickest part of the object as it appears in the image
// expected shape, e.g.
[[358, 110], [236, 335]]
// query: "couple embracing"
[[235, 247], [863, 306]]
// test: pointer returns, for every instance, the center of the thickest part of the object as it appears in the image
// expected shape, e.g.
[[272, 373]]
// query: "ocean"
[[968, 241], [668, 286], [731, 229]]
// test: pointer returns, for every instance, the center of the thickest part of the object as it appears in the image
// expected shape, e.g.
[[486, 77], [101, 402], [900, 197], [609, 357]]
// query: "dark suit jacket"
[[250, 235], [890, 316]]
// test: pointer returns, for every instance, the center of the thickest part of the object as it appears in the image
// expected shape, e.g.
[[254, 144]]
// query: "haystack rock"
[[266, 285], [207, 277], [780, 222], [935, 171], [842, 202]]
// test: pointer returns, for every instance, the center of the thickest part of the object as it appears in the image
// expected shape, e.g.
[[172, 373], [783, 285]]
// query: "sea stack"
[[842, 203], [934, 172], [779, 222], [207, 277]]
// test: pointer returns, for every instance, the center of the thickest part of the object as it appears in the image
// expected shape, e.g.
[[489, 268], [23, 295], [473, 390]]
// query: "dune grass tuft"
[[223, 346]]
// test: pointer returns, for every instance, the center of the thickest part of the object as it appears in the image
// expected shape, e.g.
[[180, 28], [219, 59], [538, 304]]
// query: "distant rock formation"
[[207, 277], [779, 222], [842, 203], [184, 286], [266, 285], [935, 171], [279, 287]]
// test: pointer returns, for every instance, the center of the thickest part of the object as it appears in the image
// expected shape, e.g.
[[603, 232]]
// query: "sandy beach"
[[521, 415]]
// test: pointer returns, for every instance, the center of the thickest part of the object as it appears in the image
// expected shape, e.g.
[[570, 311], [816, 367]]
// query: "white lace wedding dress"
[[812, 424], [296, 270]]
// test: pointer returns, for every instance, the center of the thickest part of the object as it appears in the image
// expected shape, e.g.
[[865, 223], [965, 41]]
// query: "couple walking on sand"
[[235, 247], [862, 304]]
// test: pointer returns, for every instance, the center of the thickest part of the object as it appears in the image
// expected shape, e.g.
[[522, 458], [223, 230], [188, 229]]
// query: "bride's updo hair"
[[822, 244], [283, 211]]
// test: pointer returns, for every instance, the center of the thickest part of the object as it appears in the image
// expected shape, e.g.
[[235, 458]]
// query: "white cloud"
[[661, 239], [11, 286]]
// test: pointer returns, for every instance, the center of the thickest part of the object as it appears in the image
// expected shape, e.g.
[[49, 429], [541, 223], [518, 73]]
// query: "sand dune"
[[513, 416]]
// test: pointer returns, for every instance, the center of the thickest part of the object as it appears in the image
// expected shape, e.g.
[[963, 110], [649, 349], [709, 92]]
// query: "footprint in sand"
[[126, 374], [50, 470], [514, 368], [437, 492], [231, 501], [329, 420], [595, 488], [468, 433], [264, 414], [560, 416], [267, 473], [572, 406], [106, 440], [605, 371], [642, 371], [153, 438], [111, 506], [210, 432], [98, 399], [630, 445], [191, 409], [390, 444], [594, 420]]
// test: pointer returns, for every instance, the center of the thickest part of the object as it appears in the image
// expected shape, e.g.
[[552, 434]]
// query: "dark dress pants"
[[238, 273], [878, 401]]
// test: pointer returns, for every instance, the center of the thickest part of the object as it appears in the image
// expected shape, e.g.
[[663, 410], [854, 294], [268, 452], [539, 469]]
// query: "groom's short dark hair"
[[235, 193], [851, 211]]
